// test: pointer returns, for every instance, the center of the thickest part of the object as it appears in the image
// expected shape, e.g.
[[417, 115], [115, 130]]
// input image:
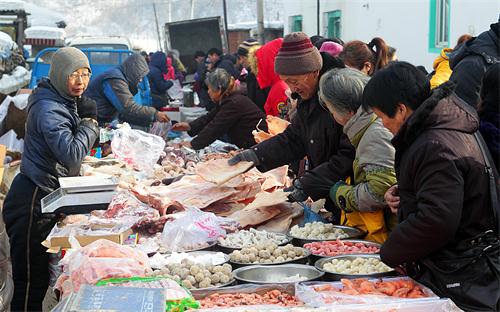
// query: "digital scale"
[[80, 195]]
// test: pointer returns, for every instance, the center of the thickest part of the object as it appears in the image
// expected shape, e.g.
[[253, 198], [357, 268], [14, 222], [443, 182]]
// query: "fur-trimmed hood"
[[442, 110]]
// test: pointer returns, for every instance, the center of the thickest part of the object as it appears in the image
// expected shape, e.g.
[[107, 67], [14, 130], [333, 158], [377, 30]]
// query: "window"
[[295, 23], [439, 25], [333, 24]]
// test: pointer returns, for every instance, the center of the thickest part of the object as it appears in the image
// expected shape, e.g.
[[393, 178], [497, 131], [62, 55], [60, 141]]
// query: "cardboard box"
[[125, 237]]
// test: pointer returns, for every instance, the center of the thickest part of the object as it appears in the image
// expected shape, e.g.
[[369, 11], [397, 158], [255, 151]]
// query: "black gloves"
[[297, 194], [86, 108], [246, 155]]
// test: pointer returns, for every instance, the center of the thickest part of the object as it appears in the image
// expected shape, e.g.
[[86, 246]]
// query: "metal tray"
[[352, 232], [274, 274], [229, 249], [316, 257], [338, 276], [301, 260], [230, 283]]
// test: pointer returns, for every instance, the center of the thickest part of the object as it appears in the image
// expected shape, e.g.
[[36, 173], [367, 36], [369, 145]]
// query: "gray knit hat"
[[297, 56], [64, 62]]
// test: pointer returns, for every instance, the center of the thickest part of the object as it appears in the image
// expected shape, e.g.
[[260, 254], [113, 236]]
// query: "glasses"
[[75, 76]]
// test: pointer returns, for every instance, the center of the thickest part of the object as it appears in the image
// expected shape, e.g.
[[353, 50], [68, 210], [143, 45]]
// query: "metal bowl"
[[301, 260], [352, 232], [230, 249], [316, 257], [275, 274], [329, 275]]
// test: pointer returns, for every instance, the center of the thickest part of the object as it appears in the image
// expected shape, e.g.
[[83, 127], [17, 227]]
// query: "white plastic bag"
[[137, 148], [161, 129], [175, 92], [195, 230]]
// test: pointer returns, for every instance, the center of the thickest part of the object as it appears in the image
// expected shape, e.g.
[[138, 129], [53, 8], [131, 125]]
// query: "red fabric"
[[171, 70], [276, 100], [266, 77]]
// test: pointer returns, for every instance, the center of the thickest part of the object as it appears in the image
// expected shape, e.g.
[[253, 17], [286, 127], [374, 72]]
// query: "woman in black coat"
[[235, 115], [447, 236]]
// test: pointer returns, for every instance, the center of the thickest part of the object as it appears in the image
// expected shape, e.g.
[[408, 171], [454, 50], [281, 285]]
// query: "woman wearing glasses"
[[61, 128]]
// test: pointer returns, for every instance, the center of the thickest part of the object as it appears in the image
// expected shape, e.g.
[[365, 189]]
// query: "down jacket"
[[443, 187], [471, 60], [314, 134], [236, 115], [114, 92], [56, 138], [158, 84]]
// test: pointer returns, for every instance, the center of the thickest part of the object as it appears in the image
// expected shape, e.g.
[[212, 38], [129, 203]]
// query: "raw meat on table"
[[255, 216], [265, 199], [219, 171]]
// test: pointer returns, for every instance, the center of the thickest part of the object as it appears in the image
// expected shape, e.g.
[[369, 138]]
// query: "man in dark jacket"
[[313, 132], [471, 60], [218, 60], [157, 83], [445, 205], [114, 92]]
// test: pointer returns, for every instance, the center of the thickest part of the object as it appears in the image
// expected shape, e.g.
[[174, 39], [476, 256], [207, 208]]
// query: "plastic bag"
[[331, 295], [175, 92], [100, 260], [195, 230], [137, 148], [161, 129], [434, 305]]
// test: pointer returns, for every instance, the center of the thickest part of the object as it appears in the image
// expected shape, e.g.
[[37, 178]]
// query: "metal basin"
[[329, 275], [315, 257], [301, 260], [230, 283], [352, 232], [276, 274], [208, 253]]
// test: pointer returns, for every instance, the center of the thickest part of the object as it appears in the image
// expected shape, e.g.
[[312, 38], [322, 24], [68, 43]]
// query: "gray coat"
[[114, 92]]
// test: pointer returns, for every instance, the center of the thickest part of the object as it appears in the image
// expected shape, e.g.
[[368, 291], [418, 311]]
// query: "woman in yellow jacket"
[[362, 203], [442, 70]]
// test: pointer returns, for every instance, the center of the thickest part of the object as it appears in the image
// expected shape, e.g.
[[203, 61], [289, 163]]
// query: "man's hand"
[[87, 108], [181, 126], [246, 155], [297, 194], [162, 117], [391, 197]]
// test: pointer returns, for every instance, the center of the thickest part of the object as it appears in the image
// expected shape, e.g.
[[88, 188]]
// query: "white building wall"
[[404, 24]]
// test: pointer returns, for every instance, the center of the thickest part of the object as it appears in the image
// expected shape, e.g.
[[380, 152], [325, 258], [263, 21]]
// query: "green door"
[[334, 24]]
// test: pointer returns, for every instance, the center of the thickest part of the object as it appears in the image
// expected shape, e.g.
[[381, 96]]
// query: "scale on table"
[[80, 195]]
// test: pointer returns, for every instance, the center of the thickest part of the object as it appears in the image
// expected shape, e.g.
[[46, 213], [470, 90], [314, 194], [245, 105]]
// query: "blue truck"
[[100, 60]]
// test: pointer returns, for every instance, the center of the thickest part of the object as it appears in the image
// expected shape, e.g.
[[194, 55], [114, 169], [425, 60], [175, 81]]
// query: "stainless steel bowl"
[[230, 249], [315, 257], [276, 274], [301, 260], [329, 275], [352, 232]]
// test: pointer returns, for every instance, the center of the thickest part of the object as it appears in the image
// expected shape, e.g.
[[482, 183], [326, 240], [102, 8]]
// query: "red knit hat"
[[297, 56]]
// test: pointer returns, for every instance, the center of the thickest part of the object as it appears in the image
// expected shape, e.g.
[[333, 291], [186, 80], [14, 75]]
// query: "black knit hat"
[[245, 46]]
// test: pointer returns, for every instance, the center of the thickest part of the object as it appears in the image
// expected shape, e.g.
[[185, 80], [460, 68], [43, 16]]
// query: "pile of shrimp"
[[401, 288]]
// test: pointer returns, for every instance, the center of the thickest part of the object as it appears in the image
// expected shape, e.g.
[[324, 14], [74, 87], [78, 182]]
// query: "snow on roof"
[[45, 32], [11, 5], [253, 24]]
